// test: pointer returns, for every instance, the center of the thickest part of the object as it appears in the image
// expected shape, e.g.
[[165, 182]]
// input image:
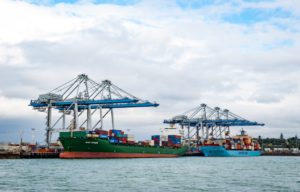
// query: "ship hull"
[[100, 155], [220, 151], [100, 148]]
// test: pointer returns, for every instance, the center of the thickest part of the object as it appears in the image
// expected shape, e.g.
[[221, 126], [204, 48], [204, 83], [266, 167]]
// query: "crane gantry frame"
[[84, 94], [212, 122]]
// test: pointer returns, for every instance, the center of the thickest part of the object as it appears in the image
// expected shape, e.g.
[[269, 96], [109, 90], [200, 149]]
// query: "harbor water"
[[162, 174]]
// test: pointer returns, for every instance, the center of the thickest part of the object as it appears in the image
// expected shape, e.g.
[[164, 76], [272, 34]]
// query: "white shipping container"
[[295, 150], [267, 149], [151, 143], [281, 149], [164, 138], [130, 137], [9, 148], [235, 146]]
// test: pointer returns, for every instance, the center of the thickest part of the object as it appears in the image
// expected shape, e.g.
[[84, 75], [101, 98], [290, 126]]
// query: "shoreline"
[[280, 154], [56, 155]]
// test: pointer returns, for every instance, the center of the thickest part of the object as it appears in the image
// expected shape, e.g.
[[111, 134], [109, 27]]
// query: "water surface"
[[165, 174]]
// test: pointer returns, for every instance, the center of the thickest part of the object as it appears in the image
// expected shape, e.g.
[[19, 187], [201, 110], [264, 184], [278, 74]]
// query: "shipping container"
[[174, 140], [113, 140], [151, 143], [130, 142], [114, 132], [164, 143], [121, 135], [130, 137], [155, 137], [247, 140], [103, 136], [163, 137], [101, 132]]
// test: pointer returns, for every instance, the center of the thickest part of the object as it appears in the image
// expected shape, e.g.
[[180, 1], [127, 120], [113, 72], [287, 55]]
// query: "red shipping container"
[[101, 132], [164, 143], [131, 142]]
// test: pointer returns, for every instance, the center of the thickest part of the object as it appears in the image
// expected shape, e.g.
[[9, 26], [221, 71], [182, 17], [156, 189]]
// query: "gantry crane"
[[204, 122], [81, 95]]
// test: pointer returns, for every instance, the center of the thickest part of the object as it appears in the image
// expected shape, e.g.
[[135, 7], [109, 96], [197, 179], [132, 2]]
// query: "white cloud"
[[11, 55], [13, 108]]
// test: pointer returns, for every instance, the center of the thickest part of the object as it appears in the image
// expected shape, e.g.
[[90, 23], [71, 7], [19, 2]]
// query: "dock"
[[37, 155]]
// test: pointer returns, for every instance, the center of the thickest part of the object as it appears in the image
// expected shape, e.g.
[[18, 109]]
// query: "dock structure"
[[83, 98], [204, 122]]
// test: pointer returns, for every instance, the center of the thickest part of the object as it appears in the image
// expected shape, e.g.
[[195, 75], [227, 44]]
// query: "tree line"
[[281, 142]]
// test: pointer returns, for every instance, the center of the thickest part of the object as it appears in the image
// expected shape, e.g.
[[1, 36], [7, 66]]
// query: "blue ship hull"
[[220, 151]]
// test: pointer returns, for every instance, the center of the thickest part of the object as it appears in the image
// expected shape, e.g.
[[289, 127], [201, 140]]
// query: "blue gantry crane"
[[83, 95], [204, 122]]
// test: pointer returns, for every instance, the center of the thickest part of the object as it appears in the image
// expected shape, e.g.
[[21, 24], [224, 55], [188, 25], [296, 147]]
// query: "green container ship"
[[78, 144]]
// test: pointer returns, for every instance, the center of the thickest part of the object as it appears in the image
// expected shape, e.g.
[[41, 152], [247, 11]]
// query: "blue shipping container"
[[103, 136], [115, 131]]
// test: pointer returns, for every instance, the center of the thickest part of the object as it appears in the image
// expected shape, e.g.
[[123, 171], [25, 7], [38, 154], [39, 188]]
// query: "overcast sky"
[[243, 55]]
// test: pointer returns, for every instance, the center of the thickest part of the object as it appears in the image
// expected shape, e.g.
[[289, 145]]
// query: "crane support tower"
[[204, 122], [82, 95]]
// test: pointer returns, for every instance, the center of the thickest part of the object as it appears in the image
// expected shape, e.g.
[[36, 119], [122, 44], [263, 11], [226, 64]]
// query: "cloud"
[[273, 92], [159, 51]]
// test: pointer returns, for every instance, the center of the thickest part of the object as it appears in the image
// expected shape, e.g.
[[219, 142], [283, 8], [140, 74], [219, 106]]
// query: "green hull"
[[80, 146]]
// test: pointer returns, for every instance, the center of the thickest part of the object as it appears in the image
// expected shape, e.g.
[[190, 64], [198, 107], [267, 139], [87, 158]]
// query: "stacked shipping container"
[[156, 139], [167, 141], [174, 140], [130, 139], [117, 136]]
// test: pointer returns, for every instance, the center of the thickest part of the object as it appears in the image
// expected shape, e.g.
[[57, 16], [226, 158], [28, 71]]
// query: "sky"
[[242, 55]]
